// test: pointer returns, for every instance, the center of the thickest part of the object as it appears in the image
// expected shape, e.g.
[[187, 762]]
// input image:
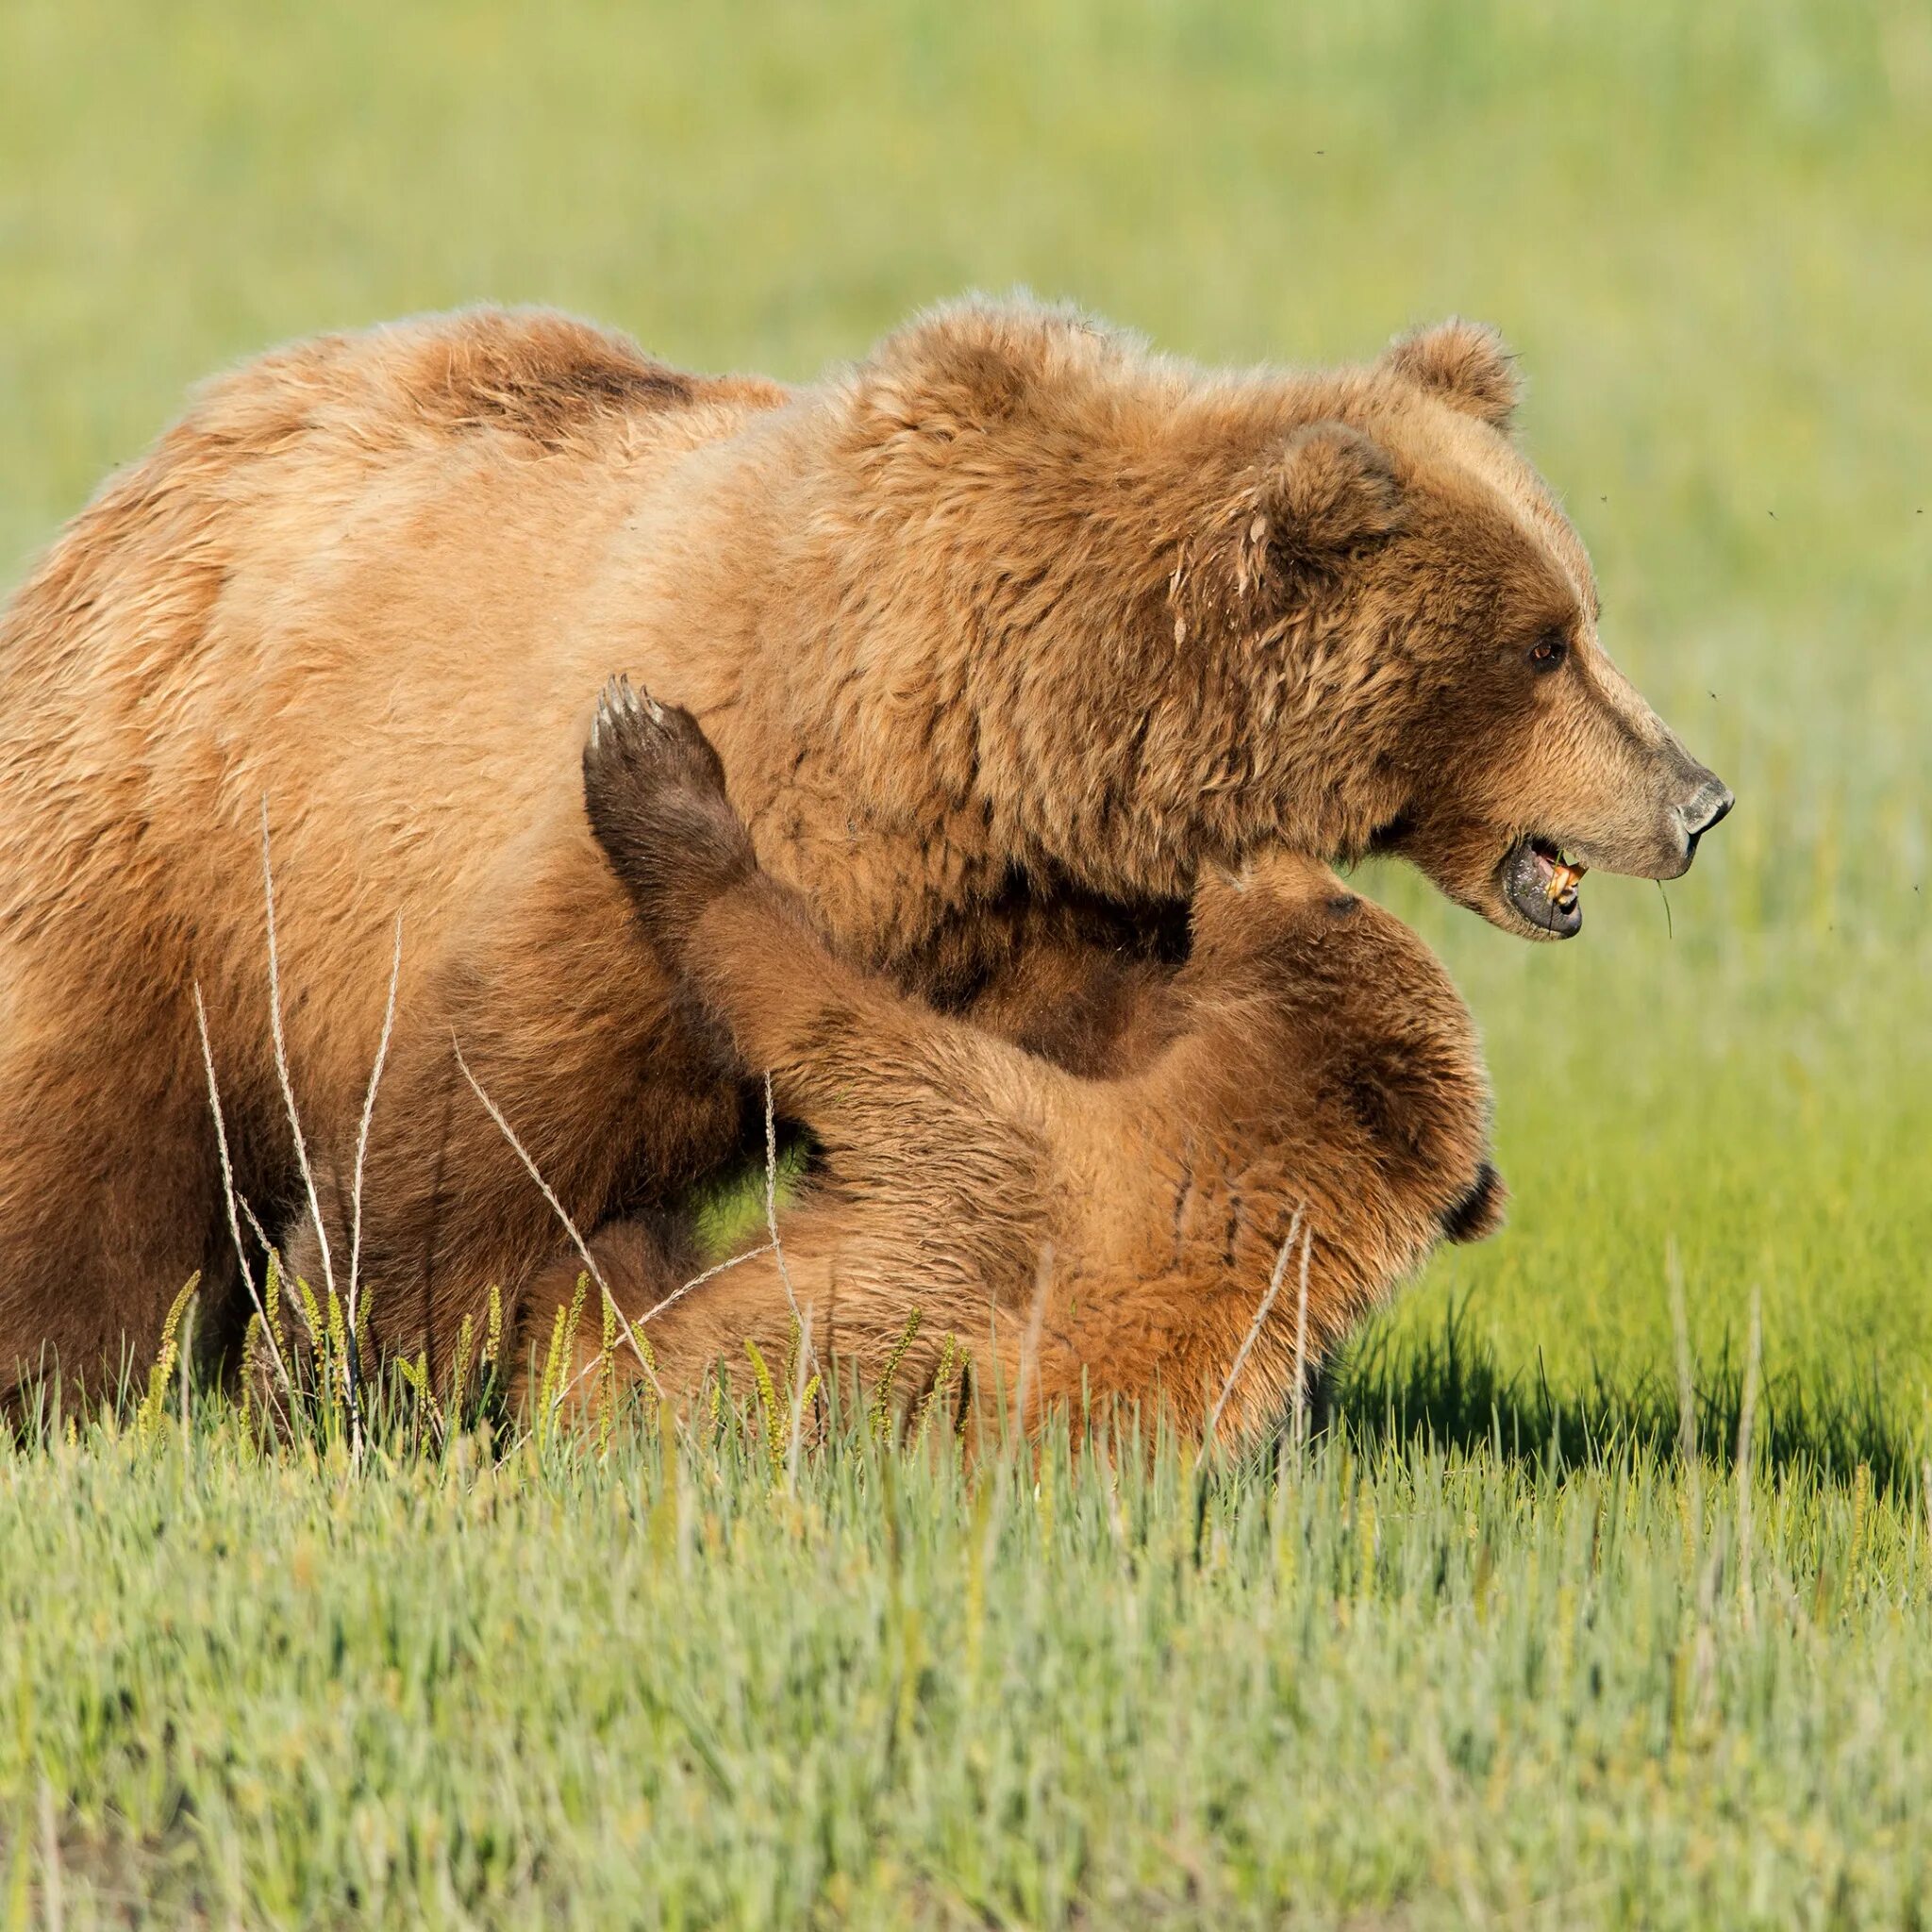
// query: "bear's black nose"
[[1710, 806]]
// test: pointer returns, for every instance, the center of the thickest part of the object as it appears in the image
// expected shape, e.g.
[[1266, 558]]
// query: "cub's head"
[[1166, 616], [1375, 1064]]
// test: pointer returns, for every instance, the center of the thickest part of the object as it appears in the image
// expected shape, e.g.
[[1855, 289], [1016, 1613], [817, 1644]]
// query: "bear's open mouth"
[[1539, 881]]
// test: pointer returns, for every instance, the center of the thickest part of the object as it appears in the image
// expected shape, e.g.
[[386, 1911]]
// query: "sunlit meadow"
[[1491, 1648]]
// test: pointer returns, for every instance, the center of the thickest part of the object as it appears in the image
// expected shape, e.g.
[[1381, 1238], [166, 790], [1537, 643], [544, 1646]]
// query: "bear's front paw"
[[639, 746], [655, 791]]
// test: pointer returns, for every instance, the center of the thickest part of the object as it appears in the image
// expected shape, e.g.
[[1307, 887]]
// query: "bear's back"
[[538, 382], [291, 578]]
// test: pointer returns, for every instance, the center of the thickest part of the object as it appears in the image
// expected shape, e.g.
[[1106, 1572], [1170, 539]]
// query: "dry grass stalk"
[[1255, 1328], [802, 1389], [678, 1294], [389, 1021], [274, 1003], [712, 1274], [229, 1198], [1030, 1346], [352, 1395], [808, 1351], [1301, 1342], [771, 1222], [570, 1227]]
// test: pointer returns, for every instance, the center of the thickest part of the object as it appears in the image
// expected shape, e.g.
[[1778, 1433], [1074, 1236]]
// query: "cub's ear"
[[1463, 365], [1477, 1214]]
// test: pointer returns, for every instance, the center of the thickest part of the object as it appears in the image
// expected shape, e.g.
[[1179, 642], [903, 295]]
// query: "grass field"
[[1493, 1651]]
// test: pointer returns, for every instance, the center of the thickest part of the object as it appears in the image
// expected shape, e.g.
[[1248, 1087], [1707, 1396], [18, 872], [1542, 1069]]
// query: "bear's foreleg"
[[607, 1077], [109, 1182]]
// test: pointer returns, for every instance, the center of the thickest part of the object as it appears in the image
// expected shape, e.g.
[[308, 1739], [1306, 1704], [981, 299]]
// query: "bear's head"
[[1524, 754], [1137, 616], [1359, 1061]]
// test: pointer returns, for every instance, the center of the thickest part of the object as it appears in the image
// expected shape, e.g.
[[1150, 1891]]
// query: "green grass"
[[1423, 1681], [1400, 1685]]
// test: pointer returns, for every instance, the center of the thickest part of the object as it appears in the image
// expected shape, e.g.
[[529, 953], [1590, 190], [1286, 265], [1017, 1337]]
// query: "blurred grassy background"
[[1706, 229]]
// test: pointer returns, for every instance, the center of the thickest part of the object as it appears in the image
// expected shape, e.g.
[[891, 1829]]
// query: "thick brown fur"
[[1074, 1243], [1002, 636]]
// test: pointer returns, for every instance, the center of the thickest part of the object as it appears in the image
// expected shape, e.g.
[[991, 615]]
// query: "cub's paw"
[[638, 745], [655, 791]]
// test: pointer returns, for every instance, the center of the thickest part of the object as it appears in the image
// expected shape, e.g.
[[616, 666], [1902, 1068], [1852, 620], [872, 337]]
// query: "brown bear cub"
[[1082, 1241]]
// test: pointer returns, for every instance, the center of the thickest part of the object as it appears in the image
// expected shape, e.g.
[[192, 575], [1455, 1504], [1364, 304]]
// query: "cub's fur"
[[1079, 1239]]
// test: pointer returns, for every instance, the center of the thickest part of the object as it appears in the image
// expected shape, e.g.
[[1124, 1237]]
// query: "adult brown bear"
[[1012, 627]]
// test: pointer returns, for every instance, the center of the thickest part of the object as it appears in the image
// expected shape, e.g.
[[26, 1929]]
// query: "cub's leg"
[[936, 1137], [1035, 1217], [874, 1074]]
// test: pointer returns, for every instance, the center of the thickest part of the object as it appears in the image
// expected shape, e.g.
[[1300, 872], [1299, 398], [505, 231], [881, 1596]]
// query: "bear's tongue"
[[1539, 881]]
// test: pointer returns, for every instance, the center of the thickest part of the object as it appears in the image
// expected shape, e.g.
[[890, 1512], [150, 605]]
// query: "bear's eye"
[[1547, 652]]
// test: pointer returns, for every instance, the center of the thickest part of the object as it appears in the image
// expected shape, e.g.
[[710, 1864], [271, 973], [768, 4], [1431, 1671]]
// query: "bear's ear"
[[1328, 490], [970, 384], [968, 367], [1463, 365], [1324, 493]]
